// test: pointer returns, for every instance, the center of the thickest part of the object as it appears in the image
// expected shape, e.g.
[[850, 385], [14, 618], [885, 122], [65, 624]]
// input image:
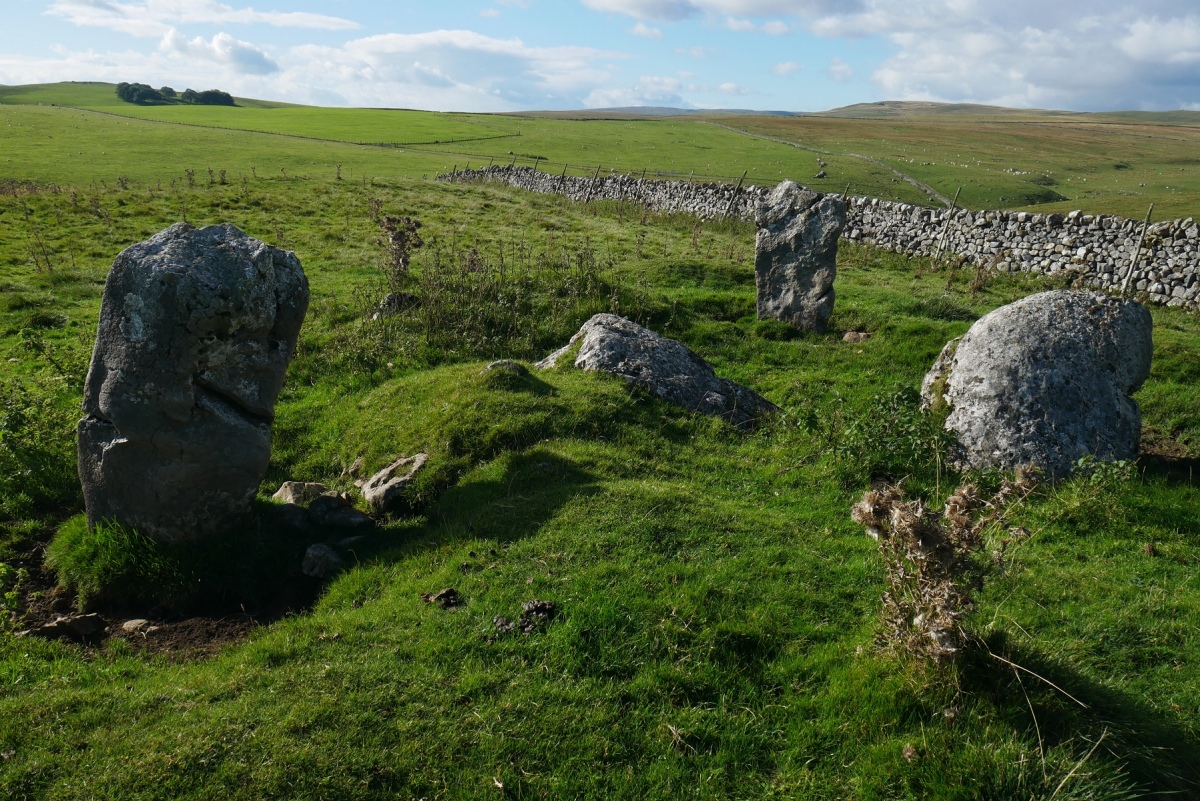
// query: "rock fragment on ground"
[[1046, 381], [856, 337], [298, 492], [337, 511], [795, 255], [197, 327], [387, 490], [662, 366], [291, 516], [321, 561], [507, 366], [72, 628]]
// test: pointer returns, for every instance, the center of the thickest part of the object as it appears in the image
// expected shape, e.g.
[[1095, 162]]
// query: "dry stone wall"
[[1098, 249]]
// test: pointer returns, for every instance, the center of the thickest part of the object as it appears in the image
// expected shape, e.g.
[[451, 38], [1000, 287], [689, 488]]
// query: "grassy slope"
[[1099, 163], [718, 605], [357, 126], [1109, 168]]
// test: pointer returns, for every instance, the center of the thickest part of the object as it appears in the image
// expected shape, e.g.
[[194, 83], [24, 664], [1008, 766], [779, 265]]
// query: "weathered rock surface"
[[196, 331], [795, 255], [320, 561], [298, 492], [292, 516], [663, 366], [385, 491], [336, 511], [76, 628], [1045, 381]]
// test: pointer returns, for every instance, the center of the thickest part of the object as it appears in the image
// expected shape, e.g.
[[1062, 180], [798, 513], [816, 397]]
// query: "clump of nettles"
[[935, 562]]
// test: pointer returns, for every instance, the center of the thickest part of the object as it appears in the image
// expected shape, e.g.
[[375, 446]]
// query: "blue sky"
[[502, 55]]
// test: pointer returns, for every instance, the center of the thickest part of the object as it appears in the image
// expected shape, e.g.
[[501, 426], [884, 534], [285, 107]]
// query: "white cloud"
[[1174, 41], [490, 13], [650, 90], [683, 9], [772, 28], [700, 52], [644, 30], [1082, 54], [1104, 54], [839, 70], [448, 69], [731, 88], [157, 17], [235, 55], [740, 25], [784, 68]]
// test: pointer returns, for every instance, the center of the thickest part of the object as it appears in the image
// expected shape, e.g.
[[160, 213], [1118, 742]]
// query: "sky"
[[509, 55]]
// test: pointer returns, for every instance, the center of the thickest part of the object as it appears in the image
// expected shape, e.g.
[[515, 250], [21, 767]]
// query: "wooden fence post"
[[734, 196], [592, 185], [946, 228], [1137, 253]]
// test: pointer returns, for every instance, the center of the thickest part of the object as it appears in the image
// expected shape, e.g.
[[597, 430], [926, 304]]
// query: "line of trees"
[[144, 95]]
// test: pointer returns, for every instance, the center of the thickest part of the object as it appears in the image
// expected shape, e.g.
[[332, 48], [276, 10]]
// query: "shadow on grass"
[[529, 490], [1175, 470], [1159, 755]]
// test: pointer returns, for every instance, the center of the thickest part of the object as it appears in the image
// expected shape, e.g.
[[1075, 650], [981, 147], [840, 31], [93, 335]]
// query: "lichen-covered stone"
[[665, 367], [1046, 381], [197, 327], [795, 255], [386, 491]]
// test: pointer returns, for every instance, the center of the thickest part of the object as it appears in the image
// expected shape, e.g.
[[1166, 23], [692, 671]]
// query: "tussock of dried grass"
[[933, 560]]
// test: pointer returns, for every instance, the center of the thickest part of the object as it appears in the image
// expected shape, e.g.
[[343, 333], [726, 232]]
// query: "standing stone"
[[1045, 381], [196, 331], [795, 255]]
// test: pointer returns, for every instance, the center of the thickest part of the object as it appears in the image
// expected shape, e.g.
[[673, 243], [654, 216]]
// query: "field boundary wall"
[[1096, 249]]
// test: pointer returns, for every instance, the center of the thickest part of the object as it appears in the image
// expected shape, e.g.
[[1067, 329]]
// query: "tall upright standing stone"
[[197, 327], [795, 255]]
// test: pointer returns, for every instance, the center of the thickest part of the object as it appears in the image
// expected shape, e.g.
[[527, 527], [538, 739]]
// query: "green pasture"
[[718, 610], [1038, 161], [1043, 165], [357, 126]]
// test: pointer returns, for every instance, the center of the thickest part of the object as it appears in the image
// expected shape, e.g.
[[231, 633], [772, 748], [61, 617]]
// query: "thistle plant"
[[936, 562]]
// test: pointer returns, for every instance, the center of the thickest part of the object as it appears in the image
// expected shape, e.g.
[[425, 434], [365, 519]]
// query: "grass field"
[[718, 610], [1000, 159]]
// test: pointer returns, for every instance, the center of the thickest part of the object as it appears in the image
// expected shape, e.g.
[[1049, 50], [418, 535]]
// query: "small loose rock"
[[321, 561], [298, 492]]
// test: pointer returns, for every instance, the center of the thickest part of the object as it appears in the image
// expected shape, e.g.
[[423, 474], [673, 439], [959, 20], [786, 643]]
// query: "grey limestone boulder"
[[197, 327], [385, 491], [665, 367], [321, 561], [1046, 381], [795, 255], [298, 492]]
